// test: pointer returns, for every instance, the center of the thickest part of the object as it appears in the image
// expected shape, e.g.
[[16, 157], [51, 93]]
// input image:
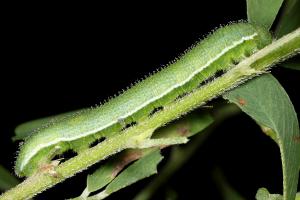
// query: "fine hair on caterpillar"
[[206, 61]]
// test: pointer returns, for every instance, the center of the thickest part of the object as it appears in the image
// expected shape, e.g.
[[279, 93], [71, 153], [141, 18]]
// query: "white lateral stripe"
[[41, 146]]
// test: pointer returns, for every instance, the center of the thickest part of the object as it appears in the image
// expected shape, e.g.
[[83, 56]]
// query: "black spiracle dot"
[[65, 155], [97, 141], [209, 79], [127, 126], [219, 73], [235, 61], [156, 110], [202, 83], [181, 96]]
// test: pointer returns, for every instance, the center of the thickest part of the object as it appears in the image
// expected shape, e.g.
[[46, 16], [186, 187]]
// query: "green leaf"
[[25, 129], [266, 102], [263, 12], [289, 19], [7, 180], [263, 194], [102, 176], [142, 168], [107, 172]]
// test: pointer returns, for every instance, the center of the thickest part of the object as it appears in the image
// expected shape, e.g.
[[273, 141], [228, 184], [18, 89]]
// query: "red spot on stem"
[[242, 102]]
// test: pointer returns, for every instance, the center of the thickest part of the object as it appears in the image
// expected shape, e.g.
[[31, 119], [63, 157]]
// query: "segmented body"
[[208, 59]]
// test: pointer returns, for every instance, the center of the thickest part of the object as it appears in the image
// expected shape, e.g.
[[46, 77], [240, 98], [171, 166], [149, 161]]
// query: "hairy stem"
[[279, 50]]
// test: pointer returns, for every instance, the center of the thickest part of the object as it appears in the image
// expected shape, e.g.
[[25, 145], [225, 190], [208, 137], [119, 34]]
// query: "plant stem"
[[254, 65]]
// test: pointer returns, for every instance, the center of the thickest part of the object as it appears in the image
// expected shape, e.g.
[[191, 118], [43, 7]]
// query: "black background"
[[58, 58]]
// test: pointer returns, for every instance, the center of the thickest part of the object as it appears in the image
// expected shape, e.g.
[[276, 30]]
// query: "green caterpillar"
[[206, 60]]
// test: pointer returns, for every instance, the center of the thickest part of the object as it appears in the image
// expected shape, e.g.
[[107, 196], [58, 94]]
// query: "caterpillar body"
[[208, 59]]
